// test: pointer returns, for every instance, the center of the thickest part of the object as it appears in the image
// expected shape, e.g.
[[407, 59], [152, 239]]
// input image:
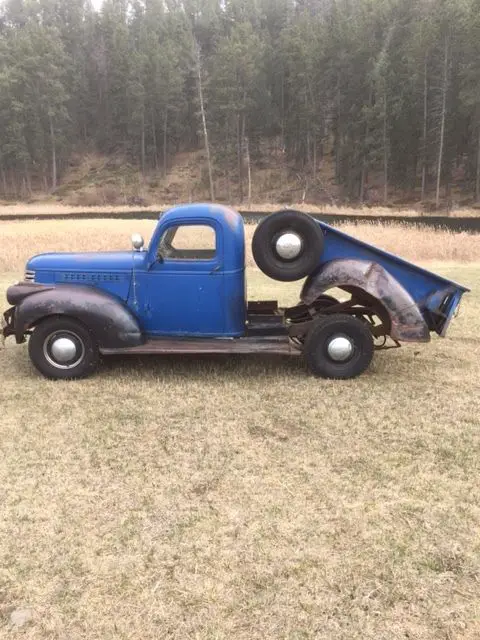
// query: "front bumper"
[[15, 295], [7, 324]]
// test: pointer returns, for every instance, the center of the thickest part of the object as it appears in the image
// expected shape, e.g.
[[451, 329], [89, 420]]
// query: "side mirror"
[[137, 242]]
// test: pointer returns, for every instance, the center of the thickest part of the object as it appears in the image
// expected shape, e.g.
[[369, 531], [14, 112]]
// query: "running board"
[[250, 344]]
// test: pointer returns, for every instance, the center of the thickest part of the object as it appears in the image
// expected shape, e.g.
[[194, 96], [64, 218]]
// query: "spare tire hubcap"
[[289, 246]]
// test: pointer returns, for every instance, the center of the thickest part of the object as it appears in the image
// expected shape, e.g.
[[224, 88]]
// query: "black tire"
[[264, 245], [324, 300], [319, 344], [82, 363]]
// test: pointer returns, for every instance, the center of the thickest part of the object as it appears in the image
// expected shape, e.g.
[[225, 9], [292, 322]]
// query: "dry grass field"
[[239, 498], [20, 240]]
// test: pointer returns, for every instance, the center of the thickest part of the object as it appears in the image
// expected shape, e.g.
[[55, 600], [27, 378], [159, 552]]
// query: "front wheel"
[[338, 346], [63, 349]]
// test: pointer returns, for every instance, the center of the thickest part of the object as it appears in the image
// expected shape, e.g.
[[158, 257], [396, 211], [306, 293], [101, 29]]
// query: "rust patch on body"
[[406, 320]]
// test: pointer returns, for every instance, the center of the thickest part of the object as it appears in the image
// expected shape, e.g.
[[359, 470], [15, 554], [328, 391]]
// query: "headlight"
[[29, 276]]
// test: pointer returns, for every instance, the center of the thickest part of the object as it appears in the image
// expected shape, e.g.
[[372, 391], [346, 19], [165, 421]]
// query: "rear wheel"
[[338, 346], [63, 349]]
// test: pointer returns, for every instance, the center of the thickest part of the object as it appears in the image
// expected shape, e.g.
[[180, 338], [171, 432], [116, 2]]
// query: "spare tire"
[[287, 245]]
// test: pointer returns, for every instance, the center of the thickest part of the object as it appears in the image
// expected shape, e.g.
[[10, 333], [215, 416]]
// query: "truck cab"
[[195, 264], [186, 293]]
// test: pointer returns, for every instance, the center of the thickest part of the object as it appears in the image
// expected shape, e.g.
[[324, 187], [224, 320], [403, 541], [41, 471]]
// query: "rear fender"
[[406, 320], [111, 322]]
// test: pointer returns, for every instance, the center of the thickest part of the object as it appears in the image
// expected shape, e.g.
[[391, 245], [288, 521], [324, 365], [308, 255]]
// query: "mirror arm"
[[156, 258]]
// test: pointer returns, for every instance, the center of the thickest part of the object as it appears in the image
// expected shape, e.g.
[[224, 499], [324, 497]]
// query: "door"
[[183, 289]]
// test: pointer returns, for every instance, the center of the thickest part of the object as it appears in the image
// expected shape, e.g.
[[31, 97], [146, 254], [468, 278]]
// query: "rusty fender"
[[109, 319], [407, 323]]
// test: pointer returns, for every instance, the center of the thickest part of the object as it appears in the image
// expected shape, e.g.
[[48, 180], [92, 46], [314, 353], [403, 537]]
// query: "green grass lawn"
[[237, 497]]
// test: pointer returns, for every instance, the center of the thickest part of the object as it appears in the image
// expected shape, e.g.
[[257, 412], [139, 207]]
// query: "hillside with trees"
[[347, 100]]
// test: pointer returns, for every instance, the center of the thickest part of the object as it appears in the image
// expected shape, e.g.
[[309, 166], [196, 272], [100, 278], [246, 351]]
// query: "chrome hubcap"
[[63, 350], [340, 348], [288, 246]]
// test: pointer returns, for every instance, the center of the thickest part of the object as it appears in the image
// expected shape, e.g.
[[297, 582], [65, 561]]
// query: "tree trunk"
[[364, 174], [249, 173], [477, 182], [28, 180], [165, 139], [323, 137], [337, 133], [227, 164], [305, 189], [239, 159], [142, 144], [4, 179], [229, 199], [54, 155], [13, 184], [154, 137], [307, 149], [204, 122], [243, 141], [385, 149], [282, 102], [443, 119], [425, 129]]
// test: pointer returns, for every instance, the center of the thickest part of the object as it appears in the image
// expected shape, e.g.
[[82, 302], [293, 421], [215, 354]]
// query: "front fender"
[[406, 319], [112, 323]]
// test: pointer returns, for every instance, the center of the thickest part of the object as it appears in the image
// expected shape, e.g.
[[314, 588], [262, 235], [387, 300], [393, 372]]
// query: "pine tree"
[[386, 91]]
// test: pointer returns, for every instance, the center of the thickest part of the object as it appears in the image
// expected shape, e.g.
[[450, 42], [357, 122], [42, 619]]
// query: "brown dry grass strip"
[[20, 240]]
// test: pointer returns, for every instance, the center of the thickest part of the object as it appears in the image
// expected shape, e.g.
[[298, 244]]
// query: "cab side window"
[[188, 242]]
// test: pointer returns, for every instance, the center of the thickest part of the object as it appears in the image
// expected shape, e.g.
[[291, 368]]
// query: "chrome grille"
[[29, 276], [80, 276]]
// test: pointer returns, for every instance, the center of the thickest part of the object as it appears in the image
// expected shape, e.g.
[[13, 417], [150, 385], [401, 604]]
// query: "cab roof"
[[232, 238], [223, 214]]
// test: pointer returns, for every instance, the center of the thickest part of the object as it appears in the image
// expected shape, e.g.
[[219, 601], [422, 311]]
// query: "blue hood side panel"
[[94, 261], [110, 271]]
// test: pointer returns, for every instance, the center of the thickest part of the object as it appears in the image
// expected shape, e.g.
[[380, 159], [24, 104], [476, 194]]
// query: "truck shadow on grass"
[[194, 366], [230, 368], [197, 368]]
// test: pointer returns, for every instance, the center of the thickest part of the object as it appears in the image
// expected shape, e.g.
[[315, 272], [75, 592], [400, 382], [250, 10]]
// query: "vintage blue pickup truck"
[[186, 293]]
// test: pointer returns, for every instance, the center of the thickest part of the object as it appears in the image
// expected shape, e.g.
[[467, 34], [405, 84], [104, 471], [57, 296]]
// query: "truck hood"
[[110, 272], [111, 261]]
